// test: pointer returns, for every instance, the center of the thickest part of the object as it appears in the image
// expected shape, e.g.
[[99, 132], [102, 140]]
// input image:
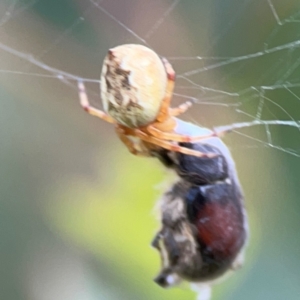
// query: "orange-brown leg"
[[132, 146], [164, 110], [176, 111], [90, 109], [159, 134], [169, 145]]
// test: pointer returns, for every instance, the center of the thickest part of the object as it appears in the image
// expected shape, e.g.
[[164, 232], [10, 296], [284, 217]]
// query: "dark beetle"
[[204, 223]]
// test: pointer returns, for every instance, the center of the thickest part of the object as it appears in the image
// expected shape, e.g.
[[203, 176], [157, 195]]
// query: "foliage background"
[[76, 208]]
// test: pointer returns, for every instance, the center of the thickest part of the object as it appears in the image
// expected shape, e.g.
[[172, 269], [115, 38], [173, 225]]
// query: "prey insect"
[[203, 220], [136, 92]]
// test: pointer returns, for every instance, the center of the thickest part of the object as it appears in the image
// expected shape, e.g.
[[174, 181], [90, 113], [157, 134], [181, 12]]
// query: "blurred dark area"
[[76, 208]]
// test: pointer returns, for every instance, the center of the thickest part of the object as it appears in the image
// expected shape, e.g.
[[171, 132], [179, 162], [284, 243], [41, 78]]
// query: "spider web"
[[238, 61]]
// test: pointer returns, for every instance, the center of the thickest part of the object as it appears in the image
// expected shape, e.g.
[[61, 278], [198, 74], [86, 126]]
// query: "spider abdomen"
[[133, 84]]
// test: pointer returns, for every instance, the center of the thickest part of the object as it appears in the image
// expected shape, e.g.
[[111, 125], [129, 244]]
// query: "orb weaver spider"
[[136, 92]]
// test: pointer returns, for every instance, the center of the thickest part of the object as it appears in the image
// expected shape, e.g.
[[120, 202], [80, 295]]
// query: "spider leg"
[[170, 136], [164, 110], [84, 101], [169, 145], [176, 111], [134, 147]]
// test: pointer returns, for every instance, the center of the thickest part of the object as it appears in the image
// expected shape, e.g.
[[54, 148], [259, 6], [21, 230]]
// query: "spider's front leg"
[[169, 145], [164, 109], [84, 102], [171, 136]]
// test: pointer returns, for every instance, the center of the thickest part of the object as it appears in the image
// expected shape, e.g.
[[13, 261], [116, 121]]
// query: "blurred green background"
[[76, 209]]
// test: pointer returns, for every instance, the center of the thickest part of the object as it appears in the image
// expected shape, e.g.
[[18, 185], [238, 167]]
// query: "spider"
[[136, 91]]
